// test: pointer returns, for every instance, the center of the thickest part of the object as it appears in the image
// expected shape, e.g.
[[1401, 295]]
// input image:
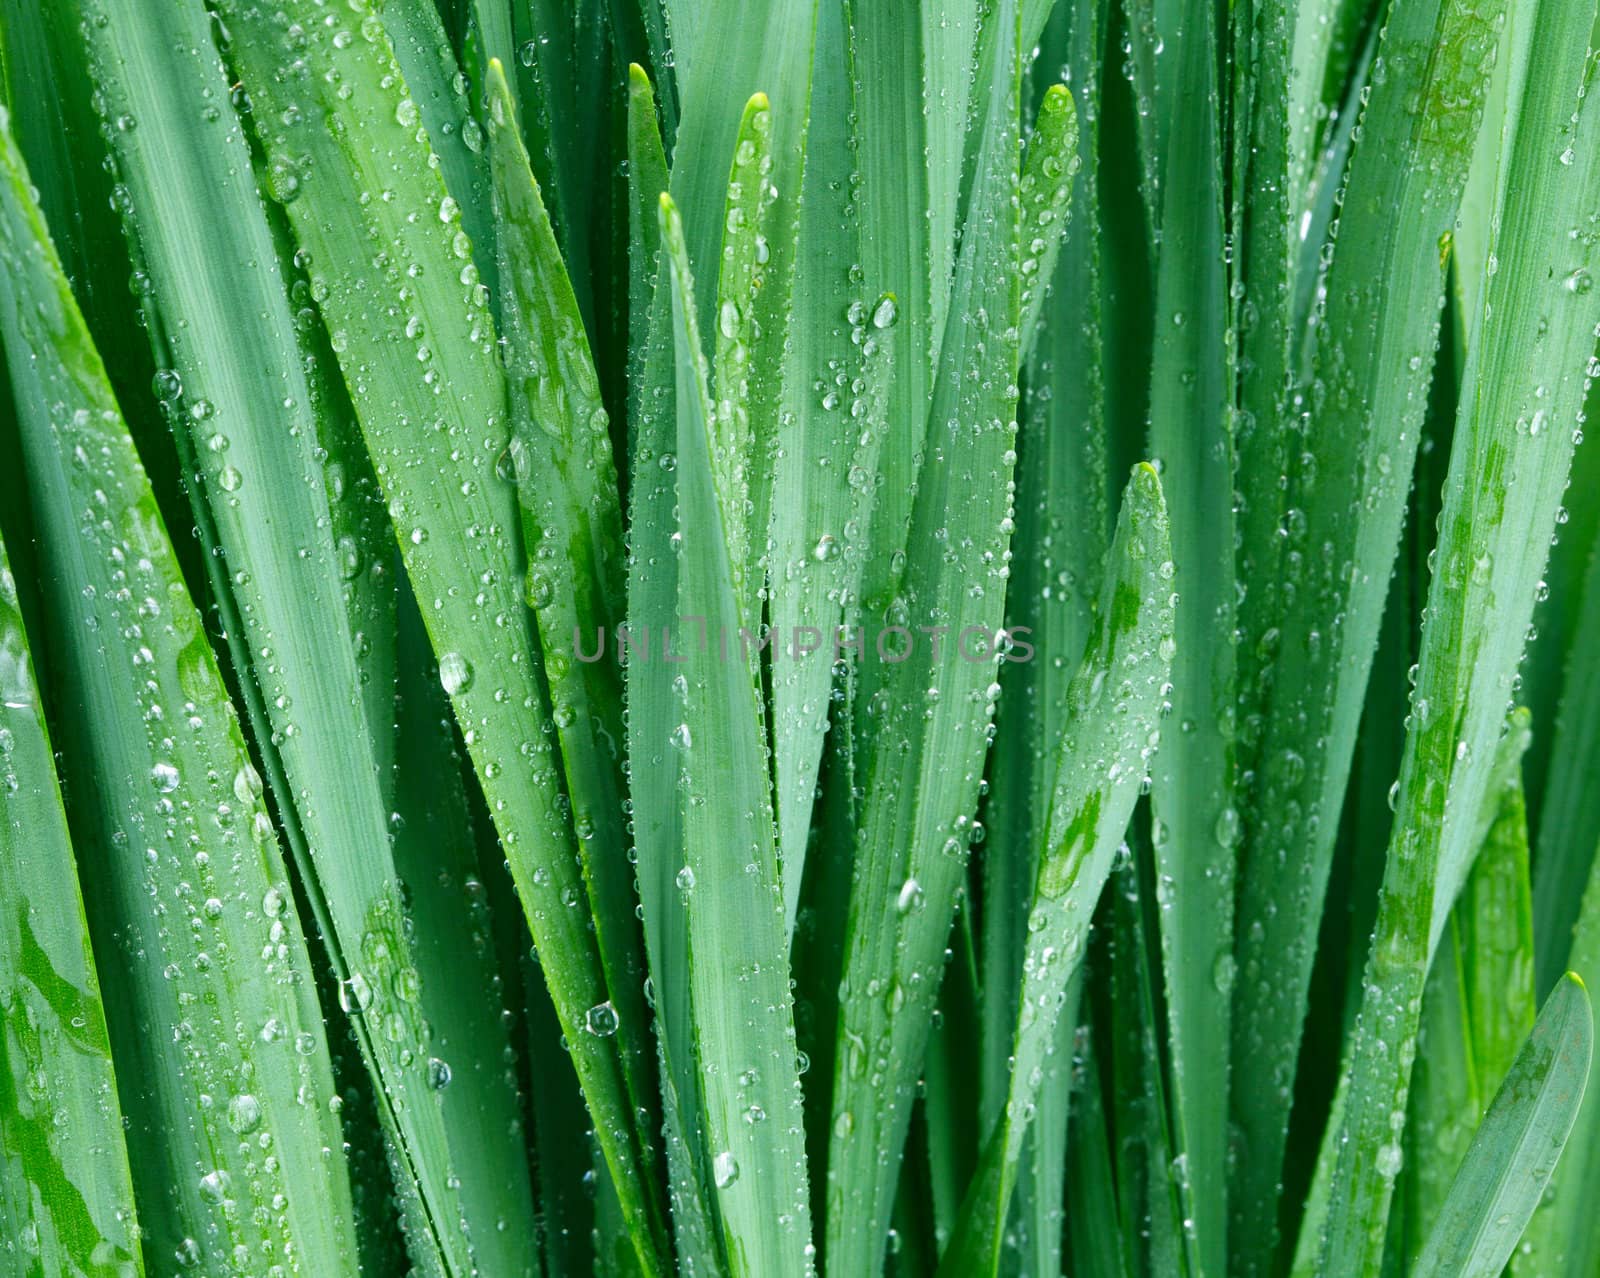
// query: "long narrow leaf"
[[66, 1195], [212, 1011], [1515, 1151], [1523, 392]]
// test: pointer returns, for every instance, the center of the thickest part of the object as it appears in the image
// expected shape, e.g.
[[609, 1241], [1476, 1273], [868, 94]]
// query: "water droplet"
[[244, 1113], [885, 312], [601, 1020], [724, 1169], [165, 777], [455, 673]]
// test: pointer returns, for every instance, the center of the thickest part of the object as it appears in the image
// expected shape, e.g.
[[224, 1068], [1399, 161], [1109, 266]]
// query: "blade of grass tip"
[[1374, 337], [647, 178], [1518, 1145], [1478, 1007], [572, 536], [1196, 817], [1523, 392], [1062, 506], [734, 442], [743, 1019], [760, 46], [1114, 705], [66, 1194], [1569, 819], [409, 323], [1063, 502], [558, 73], [1058, 511], [172, 808], [653, 712], [931, 715], [829, 437], [227, 344], [639, 31], [1561, 1238]]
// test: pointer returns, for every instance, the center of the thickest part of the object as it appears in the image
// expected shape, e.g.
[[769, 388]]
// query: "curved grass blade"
[[572, 535], [1114, 704], [1561, 1238], [66, 1194], [930, 714], [1516, 1149], [1478, 1007], [283, 499], [409, 322], [738, 937], [1374, 339], [1063, 508], [212, 1010], [1523, 391], [657, 824]]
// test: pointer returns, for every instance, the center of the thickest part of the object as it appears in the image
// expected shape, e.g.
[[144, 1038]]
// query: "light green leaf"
[[212, 1011], [1114, 705], [738, 936], [1522, 393], [927, 717], [1516, 1149], [66, 1194], [409, 322]]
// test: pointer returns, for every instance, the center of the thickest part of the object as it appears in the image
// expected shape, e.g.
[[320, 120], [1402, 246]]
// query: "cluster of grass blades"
[[775, 637]]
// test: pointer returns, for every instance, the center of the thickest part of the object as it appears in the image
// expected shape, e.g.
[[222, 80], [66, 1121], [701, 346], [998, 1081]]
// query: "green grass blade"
[[1045, 187], [1114, 705], [910, 153], [428, 65], [647, 178], [1523, 392], [229, 342], [738, 935], [653, 712], [1478, 1007], [759, 47], [572, 535], [1373, 352], [1561, 1238], [741, 445], [66, 1194], [828, 437], [931, 714], [409, 323], [1197, 822], [1515, 1151], [214, 1020], [1063, 500]]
